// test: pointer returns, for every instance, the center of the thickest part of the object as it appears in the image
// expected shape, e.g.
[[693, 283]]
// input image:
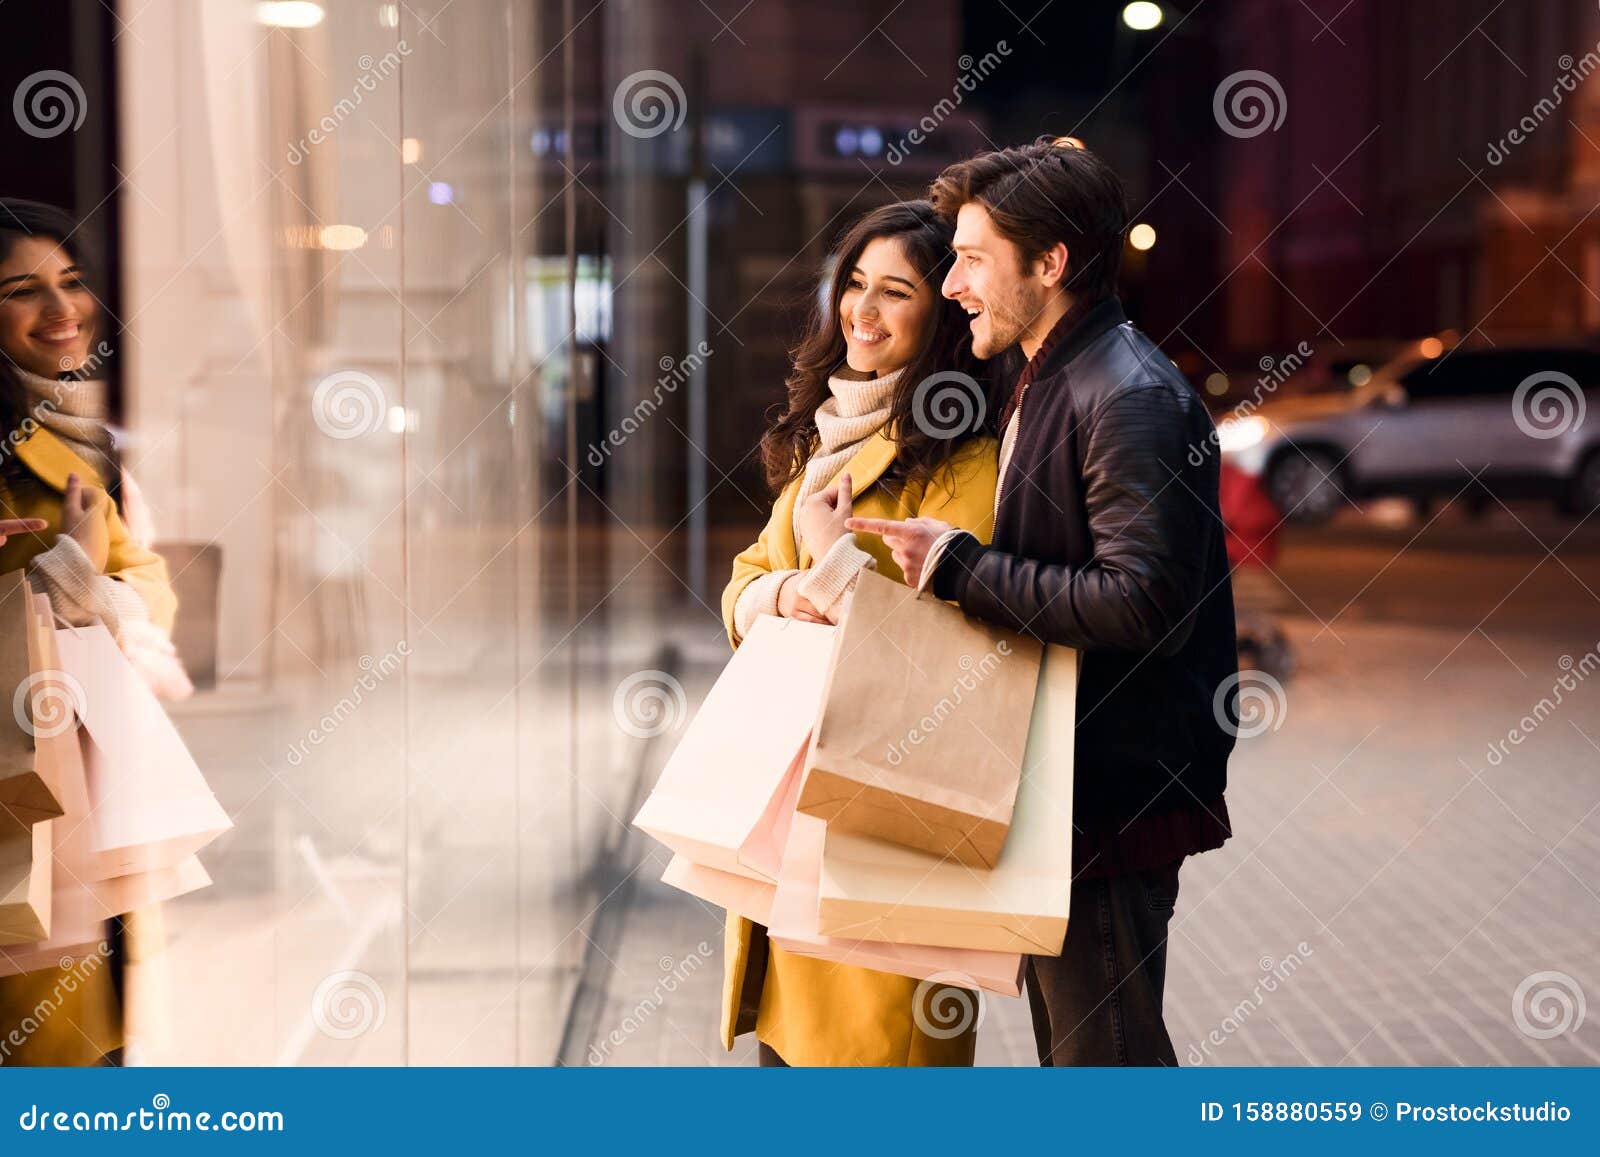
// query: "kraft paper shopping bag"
[[792, 926], [33, 699], [150, 807], [923, 724], [872, 890], [725, 797]]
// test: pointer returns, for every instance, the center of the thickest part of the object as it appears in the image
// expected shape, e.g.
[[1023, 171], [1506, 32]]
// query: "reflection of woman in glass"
[[59, 468], [858, 437]]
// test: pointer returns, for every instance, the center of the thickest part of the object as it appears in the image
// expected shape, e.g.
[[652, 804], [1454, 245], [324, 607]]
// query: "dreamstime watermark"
[[649, 703], [49, 103], [372, 71], [1576, 671], [48, 703], [648, 103], [674, 973], [1548, 404], [1259, 704], [34, 418], [947, 1004], [1274, 372], [948, 404], [374, 672], [348, 404], [73, 974], [674, 373], [1573, 73], [1547, 1004], [1249, 103], [973, 673], [348, 1004], [1274, 973], [972, 71]]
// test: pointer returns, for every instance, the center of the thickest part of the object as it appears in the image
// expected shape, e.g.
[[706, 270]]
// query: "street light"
[[1142, 236], [289, 14], [1142, 16]]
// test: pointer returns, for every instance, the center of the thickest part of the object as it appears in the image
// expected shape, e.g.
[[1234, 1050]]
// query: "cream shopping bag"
[[872, 890], [150, 807], [725, 796], [740, 895], [923, 724], [792, 926], [33, 699], [25, 884]]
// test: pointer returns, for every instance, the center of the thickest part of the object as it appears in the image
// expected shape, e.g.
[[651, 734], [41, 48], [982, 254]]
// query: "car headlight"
[[1236, 434]]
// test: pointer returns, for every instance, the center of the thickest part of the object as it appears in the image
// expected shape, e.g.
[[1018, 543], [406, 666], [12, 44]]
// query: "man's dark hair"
[[1043, 193]]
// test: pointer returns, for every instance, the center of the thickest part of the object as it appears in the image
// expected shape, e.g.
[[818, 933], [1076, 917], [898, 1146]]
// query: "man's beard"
[[1009, 319]]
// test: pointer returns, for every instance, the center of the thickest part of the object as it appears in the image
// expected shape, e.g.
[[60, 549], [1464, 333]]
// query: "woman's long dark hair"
[[20, 219], [929, 424]]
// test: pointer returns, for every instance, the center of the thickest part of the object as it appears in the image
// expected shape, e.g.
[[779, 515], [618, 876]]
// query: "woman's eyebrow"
[[19, 277]]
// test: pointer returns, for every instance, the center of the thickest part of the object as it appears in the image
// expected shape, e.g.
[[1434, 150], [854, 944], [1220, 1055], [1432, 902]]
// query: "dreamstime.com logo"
[[973, 672], [649, 703], [49, 103], [348, 1004], [48, 703], [674, 373], [948, 404], [73, 974], [348, 404], [1249, 103], [972, 71], [648, 103], [947, 1004], [1547, 1004], [1274, 974], [1547, 405], [1259, 704], [372, 71], [674, 973]]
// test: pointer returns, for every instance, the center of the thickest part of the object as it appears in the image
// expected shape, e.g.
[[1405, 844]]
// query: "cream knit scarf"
[[854, 413], [75, 412]]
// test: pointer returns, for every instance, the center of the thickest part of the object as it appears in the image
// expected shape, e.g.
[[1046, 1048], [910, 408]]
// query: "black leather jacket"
[[1108, 539]]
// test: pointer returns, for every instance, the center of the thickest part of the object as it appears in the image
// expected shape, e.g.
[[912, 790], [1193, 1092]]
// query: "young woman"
[[61, 484], [858, 436]]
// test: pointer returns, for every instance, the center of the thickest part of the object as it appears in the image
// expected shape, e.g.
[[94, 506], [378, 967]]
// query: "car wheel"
[[1307, 485], [1583, 493]]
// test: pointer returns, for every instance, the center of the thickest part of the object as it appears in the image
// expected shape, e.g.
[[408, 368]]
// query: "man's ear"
[[1052, 264]]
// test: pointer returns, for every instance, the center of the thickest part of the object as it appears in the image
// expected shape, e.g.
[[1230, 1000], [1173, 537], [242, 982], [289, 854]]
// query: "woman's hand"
[[82, 521], [10, 526], [794, 605], [908, 541], [822, 516]]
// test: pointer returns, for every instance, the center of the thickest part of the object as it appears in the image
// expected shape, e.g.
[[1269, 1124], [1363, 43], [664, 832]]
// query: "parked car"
[[1525, 421]]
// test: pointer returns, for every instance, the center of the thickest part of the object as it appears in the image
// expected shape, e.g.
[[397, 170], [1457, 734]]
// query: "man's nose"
[[953, 285]]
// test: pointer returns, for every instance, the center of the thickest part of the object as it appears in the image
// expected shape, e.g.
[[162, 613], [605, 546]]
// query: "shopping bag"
[[792, 926], [149, 805], [923, 724], [25, 884], [33, 699], [871, 890], [725, 796], [740, 895]]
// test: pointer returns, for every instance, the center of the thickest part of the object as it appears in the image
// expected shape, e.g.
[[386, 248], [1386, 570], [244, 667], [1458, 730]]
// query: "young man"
[[1107, 539]]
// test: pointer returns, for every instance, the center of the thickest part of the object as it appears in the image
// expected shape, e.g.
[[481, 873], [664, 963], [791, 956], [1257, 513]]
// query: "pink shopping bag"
[[726, 795], [793, 927], [740, 895], [149, 806]]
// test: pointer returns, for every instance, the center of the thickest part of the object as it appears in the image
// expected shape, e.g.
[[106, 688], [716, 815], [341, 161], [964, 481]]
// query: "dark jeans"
[[1099, 1002]]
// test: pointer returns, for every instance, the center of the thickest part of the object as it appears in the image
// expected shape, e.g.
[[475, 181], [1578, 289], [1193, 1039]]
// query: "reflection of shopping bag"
[[793, 927], [876, 891], [25, 884], [149, 805], [920, 737], [33, 699], [725, 797]]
